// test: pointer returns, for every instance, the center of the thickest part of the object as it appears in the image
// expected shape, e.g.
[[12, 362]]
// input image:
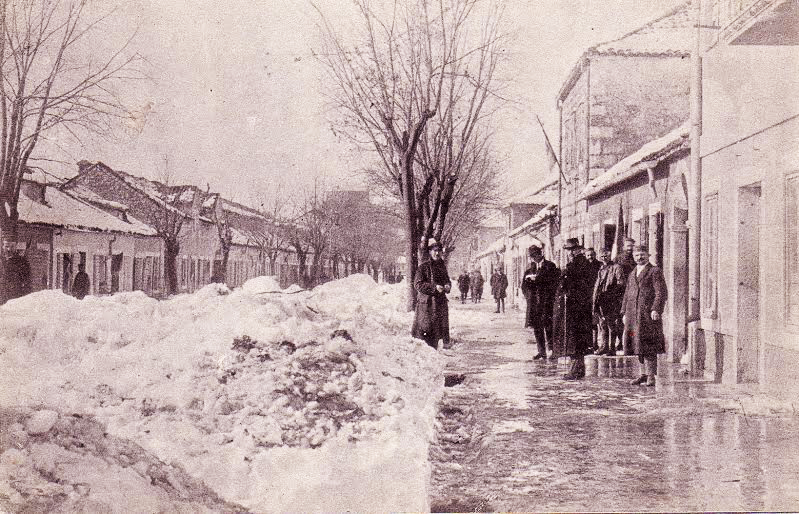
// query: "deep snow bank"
[[277, 400]]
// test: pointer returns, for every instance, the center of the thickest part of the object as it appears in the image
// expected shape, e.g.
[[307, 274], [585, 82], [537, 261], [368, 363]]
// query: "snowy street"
[[514, 436]]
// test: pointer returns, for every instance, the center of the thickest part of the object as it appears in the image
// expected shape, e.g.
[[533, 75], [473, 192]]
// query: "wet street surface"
[[514, 436]]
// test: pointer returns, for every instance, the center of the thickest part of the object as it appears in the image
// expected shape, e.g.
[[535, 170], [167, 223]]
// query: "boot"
[[640, 380]]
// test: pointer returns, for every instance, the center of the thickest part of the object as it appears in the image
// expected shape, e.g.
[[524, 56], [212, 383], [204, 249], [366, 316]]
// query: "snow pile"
[[277, 400]]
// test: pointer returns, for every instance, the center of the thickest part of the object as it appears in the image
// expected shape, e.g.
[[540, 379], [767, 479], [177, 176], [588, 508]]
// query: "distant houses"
[[120, 228]]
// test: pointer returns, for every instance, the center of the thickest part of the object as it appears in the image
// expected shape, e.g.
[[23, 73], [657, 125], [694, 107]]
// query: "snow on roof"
[[149, 188], [241, 238], [64, 210], [672, 34], [88, 195], [657, 149], [540, 216], [496, 246]]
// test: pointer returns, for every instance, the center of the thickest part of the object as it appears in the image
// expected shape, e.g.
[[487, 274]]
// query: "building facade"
[[620, 95], [750, 194]]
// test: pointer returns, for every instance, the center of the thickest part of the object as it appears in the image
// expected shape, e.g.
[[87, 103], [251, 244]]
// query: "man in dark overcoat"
[[463, 285], [539, 285], [499, 288], [608, 292], [17, 279], [594, 264], [432, 283], [477, 282], [642, 310], [573, 320]]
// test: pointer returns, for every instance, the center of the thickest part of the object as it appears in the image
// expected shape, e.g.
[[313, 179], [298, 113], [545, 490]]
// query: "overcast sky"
[[235, 99]]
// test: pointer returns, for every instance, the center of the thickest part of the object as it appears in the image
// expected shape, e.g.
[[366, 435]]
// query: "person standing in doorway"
[[573, 322], [499, 288], [539, 286], [432, 283], [80, 286], [642, 310]]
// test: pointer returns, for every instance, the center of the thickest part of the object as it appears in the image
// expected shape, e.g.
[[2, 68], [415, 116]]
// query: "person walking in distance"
[[608, 292], [477, 282], [573, 323], [432, 283], [642, 310], [499, 288], [539, 286], [463, 285]]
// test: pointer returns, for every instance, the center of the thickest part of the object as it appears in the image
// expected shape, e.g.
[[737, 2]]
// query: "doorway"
[[748, 319]]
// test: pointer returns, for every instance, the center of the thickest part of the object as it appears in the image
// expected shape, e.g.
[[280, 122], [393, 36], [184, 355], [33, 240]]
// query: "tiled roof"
[[673, 34], [87, 195], [655, 150], [65, 211]]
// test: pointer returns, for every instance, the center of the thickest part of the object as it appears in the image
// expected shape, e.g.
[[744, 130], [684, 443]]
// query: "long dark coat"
[[80, 287], [431, 320], [573, 319], [540, 293], [644, 294], [463, 283], [477, 282], [609, 290], [499, 285]]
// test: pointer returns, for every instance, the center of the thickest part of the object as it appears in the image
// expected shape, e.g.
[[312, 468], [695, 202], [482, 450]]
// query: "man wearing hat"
[[573, 319], [432, 283], [642, 311], [539, 286]]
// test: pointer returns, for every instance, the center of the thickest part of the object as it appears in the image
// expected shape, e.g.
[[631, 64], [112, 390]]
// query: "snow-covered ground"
[[276, 400]]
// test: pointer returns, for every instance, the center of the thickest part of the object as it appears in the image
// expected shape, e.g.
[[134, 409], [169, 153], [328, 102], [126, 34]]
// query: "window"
[[792, 250], [710, 255]]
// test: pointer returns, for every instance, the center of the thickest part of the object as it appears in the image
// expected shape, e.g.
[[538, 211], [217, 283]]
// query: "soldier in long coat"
[[539, 286], [463, 285], [642, 310], [573, 319], [432, 283], [499, 288], [608, 292]]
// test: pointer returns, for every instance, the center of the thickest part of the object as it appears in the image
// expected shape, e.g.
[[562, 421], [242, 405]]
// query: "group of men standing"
[[621, 302], [471, 283]]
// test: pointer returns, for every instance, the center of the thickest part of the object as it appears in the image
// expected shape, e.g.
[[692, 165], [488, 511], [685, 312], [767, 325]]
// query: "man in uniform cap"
[[642, 311], [539, 286], [573, 320]]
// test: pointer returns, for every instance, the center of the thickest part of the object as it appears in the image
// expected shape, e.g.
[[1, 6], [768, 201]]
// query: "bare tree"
[[270, 237], [224, 232], [414, 87], [50, 80]]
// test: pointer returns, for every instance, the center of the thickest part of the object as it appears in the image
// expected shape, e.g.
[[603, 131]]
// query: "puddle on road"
[[538, 443]]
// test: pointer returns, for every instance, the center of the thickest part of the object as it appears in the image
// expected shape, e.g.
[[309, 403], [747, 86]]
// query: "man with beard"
[[608, 291], [626, 260], [573, 320], [538, 287], [432, 283], [642, 309]]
